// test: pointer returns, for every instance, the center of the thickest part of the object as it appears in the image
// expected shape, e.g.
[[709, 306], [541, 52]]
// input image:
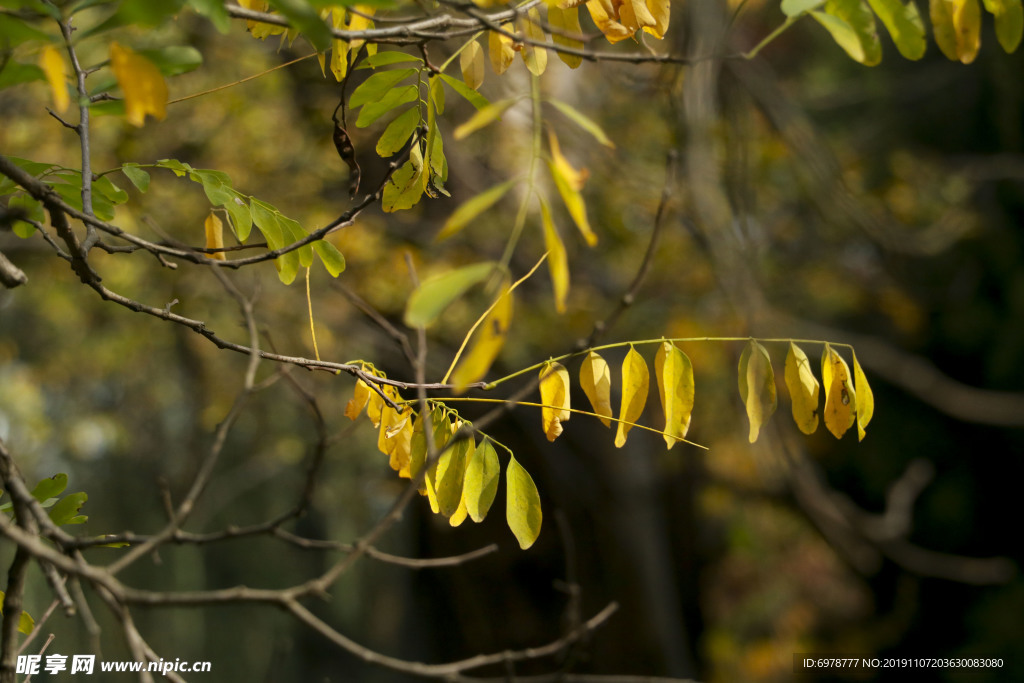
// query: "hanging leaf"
[[558, 261], [214, 237], [332, 259], [569, 181], [374, 88], [481, 483], [65, 511], [436, 293], [471, 61], [865, 399], [145, 91], [757, 386], [1009, 17], [565, 22], [803, 389], [522, 510], [25, 621], [405, 187], [636, 381], [660, 11], [360, 395], [500, 48], [398, 132], [554, 394], [606, 18], [596, 381], [52, 64], [840, 398], [957, 28], [675, 388], [391, 100], [472, 208], [852, 26], [443, 430], [451, 472], [487, 344], [138, 177], [904, 24], [483, 118], [401, 450], [584, 122]]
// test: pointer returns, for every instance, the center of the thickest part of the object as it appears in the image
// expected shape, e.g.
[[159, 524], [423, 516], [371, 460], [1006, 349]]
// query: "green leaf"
[[179, 168], [853, 16], [451, 471], [66, 509], [105, 186], [904, 25], [175, 60], [138, 177], [307, 20], [470, 95], [25, 622], [794, 8], [405, 187], [583, 122], [522, 509], [15, 31], [472, 208], [1009, 17], [50, 487], [387, 57], [216, 185], [293, 233], [481, 483], [214, 11], [329, 255], [241, 218], [483, 118], [392, 100], [398, 132], [35, 212], [435, 294], [265, 217], [16, 73], [374, 88]]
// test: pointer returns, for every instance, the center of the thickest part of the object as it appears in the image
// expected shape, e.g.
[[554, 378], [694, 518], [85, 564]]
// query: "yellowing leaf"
[[145, 91], [634, 15], [451, 471], [522, 509], [660, 11], [803, 389], [596, 381], [566, 22], [472, 63], [339, 48], [400, 435], [434, 294], [675, 388], [852, 25], [957, 28], [606, 17], [481, 483], [840, 398], [757, 386], [483, 118], [500, 50], [52, 64], [1009, 17], [535, 56], [405, 187], [472, 208], [360, 395], [904, 24], [569, 181], [375, 407], [459, 516], [865, 399], [583, 121], [489, 340], [554, 394], [214, 236], [558, 261], [636, 381]]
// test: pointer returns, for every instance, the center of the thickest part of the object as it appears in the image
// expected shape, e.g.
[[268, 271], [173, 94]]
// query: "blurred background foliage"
[[877, 204]]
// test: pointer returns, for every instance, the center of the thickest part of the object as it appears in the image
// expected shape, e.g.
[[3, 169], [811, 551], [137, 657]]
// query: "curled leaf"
[[636, 381], [803, 389], [757, 386], [865, 399], [840, 397], [596, 381], [554, 394], [675, 388], [569, 182], [360, 396]]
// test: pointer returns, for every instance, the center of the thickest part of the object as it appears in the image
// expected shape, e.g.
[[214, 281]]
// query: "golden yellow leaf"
[[339, 47], [840, 397], [634, 15], [803, 389], [757, 386], [501, 51], [605, 14], [214, 236], [636, 381], [569, 181], [558, 261], [490, 338], [535, 57], [660, 11], [865, 399], [52, 64], [460, 514], [144, 88], [472, 63], [565, 22], [401, 453], [359, 22], [522, 504], [554, 394], [360, 395], [675, 388], [375, 406], [596, 381]]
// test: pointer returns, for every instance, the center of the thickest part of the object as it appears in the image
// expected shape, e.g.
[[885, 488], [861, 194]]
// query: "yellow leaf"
[[596, 381], [360, 395], [481, 482], [535, 57], [554, 394], [144, 88], [865, 399], [339, 48], [569, 181], [803, 389], [634, 15], [401, 451], [375, 408], [52, 64], [522, 509], [357, 22], [443, 430], [636, 380], [606, 17], [558, 262], [490, 338], [500, 50], [459, 516], [840, 397], [660, 11], [450, 474], [388, 416], [472, 62], [566, 22], [675, 388], [214, 236], [757, 386], [957, 28]]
